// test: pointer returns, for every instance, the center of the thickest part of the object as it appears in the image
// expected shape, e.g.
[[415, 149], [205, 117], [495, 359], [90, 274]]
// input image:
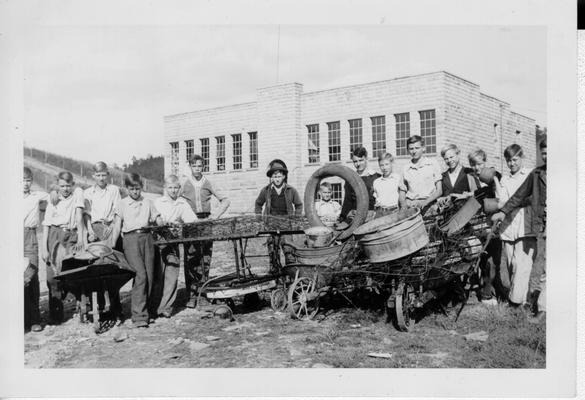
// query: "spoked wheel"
[[278, 300], [303, 299], [404, 307]]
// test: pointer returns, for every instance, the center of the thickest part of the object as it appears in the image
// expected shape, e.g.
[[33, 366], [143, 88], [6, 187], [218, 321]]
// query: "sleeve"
[[48, 214], [260, 200], [187, 214], [43, 201], [402, 184], [437, 173], [119, 209], [79, 198], [518, 199], [86, 202], [153, 211], [298, 203], [336, 208]]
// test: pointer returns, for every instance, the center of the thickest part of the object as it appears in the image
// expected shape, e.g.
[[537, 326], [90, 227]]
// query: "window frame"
[[355, 132], [402, 127], [237, 163], [312, 136], [334, 141], [220, 153]]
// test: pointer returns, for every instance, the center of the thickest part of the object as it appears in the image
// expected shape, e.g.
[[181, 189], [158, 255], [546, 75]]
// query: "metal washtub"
[[392, 236]]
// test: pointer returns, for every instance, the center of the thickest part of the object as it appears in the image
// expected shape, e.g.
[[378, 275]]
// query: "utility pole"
[[278, 55]]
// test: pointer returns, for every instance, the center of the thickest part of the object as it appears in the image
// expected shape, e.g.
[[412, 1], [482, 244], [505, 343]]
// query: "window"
[[378, 135], [189, 148], [253, 149], [355, 134], [220, 153], [313, 143], [174, 158], [402, 133], [334, 141], [428, 130], [237, 150], [205, 154], [336, 192]]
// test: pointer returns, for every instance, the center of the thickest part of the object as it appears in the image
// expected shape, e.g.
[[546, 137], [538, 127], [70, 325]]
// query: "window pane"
[[313, 143]]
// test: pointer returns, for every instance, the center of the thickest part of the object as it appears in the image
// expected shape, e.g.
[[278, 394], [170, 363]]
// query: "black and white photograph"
[[291, 196]]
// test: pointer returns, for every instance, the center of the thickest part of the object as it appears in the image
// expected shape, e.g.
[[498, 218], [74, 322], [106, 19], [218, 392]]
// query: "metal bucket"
[[393, 236], [318, 236]]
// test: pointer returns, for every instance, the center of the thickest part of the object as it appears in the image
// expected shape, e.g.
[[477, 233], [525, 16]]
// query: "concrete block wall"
[[464, 116]]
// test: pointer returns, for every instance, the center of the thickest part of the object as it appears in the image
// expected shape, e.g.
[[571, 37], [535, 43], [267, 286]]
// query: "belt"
[[101, 221], [30, 229], [201, 215], [137, 231], [64, 229], [387, 208]]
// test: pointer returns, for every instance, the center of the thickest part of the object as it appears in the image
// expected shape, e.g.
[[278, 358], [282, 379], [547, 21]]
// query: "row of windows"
[[379, 143], [219, 152]]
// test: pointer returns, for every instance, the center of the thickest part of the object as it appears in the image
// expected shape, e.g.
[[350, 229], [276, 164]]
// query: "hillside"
[[47, 165]]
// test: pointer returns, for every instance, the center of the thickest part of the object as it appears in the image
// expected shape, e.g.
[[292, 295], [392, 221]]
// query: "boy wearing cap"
[[278, 197], [198, 191], [173, 209], [35, 202]]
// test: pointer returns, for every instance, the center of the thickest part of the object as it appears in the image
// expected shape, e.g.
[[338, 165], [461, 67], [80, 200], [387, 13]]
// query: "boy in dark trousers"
[[34, 203], [132, 215]]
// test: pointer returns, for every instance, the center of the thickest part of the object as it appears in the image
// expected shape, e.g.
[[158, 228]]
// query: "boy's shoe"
[[165, 314], [36, 328], [140, 324], [490, 302], [192, 303], [537, 318]]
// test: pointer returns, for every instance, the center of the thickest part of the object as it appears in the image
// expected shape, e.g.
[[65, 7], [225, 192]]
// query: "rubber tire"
[[356, 183]]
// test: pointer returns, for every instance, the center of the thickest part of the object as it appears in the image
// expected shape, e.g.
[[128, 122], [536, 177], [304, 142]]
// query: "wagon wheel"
[[303, 299], [404, 308], [95, 312], [278, 300]]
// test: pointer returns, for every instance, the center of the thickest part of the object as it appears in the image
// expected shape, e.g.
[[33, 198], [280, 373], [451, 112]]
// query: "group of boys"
[[520, 214], [74, 217]]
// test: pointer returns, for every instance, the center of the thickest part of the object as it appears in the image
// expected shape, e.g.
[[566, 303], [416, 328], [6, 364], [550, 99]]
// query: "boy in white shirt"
[[386, 187], [328, 210], [173, 209], [63, 225], [34, 203], [518, 238]]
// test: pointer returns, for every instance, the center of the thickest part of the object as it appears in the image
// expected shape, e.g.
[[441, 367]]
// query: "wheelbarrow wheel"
[[303, 299], [278, 300], [404, 308]]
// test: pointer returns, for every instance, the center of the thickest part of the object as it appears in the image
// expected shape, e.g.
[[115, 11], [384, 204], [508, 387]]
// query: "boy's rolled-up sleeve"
[[259, 203]]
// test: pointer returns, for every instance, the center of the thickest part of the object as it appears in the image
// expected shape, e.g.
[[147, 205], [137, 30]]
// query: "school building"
[[309, 130]]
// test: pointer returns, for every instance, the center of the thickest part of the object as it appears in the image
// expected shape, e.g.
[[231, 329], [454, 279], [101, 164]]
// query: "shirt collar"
[[368, 172], [421, 163], [132, 201]]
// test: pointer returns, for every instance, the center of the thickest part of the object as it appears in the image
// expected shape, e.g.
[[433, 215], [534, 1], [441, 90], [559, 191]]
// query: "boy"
[[100, 201], [278, 198], [327, 209], [385, 188], [421, 177], [198, 190], [63, 225], [533, 191], [133, 214], [359, 157], [173, 210], [519, 242], [34, 203]]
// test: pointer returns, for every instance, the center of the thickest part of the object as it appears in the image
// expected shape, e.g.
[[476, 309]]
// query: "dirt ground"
[[341, 336]]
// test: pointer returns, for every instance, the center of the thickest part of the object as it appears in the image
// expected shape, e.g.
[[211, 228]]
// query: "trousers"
[[166, 278], [56, 293], [537, 285], [139, 252], [32, 313], [520, 255]]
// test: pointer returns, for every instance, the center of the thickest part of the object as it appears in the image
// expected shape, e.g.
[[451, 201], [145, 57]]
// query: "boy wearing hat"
[[278, 199], [198, 191]]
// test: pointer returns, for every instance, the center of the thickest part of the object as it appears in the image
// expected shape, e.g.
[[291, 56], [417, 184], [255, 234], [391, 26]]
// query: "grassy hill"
[[46, 166]]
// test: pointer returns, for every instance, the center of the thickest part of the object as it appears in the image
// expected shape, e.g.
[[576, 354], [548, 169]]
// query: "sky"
[[101, 92]]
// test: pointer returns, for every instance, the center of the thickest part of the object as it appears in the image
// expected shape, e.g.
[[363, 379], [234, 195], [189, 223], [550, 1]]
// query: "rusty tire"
[[403, 309], [354, 181]]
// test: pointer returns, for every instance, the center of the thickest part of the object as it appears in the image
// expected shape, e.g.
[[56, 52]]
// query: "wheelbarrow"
[[91, 273]]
